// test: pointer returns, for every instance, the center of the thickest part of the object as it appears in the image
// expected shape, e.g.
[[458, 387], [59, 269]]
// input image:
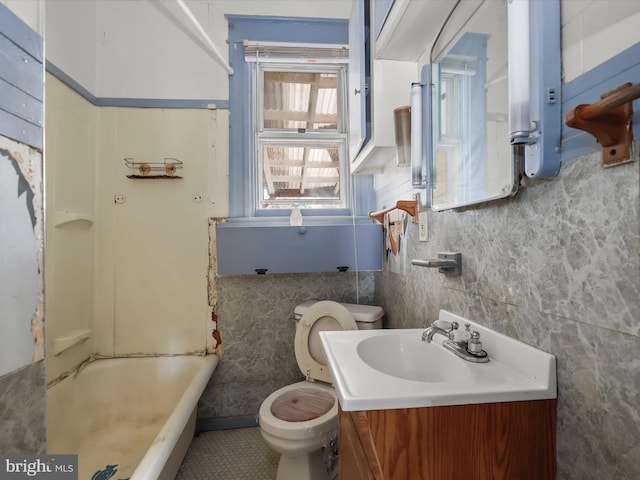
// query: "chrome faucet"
[[428, 334], [468, 348]]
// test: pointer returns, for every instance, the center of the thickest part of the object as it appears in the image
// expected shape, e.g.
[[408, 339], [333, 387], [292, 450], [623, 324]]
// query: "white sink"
[[380, 369], [408, 357]]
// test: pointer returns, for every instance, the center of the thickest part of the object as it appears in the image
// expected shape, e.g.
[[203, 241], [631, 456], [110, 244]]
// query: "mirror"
[[471, 158]]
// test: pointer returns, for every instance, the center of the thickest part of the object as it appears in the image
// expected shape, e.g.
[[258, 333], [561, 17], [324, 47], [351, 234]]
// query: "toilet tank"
[[367, 317]]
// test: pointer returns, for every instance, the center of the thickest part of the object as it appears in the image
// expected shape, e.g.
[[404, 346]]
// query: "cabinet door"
[[352, 459], [358, 67]]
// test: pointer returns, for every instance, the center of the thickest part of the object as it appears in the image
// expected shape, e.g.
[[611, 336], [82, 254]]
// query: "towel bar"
[[409, 206]]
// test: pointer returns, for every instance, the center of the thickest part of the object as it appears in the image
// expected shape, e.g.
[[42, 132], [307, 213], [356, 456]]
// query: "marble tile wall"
[[557, 267], [255, 317], [22, 410]]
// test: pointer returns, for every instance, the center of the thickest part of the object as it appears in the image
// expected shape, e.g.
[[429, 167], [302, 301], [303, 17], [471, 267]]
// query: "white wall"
[[149, 49], [21, 242], [70, 39], [30, 12], [594, 31]]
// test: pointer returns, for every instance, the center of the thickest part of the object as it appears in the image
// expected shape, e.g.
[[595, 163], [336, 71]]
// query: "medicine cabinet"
[[495, 90], [472, 160]]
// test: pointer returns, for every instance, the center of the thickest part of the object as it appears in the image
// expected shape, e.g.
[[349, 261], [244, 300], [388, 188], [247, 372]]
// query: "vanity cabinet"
[[492, 441], [357, 455]]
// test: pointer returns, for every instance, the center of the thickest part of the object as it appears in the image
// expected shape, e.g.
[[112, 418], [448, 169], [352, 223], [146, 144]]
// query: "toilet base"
[[302, 467]]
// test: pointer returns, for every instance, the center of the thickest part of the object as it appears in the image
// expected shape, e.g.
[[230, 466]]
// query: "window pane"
[[300, 100], [301, 174]]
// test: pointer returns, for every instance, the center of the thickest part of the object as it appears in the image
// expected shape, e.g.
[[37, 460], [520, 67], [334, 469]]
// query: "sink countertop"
[[515, 372]]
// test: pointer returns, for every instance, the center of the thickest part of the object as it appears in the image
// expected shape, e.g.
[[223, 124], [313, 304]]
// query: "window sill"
[[283, 221]]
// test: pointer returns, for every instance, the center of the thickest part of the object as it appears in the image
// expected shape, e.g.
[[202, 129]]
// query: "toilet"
[[297, 420]]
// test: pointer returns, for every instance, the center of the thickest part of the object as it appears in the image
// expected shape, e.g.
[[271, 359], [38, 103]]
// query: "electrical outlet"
[[197, 198], [423, 227], [119, 199]]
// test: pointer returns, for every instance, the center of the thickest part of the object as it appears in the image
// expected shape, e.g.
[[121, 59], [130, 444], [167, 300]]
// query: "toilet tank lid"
[[360, 313]]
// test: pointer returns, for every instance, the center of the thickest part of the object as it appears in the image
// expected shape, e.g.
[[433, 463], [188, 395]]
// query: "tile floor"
[[239, 454]]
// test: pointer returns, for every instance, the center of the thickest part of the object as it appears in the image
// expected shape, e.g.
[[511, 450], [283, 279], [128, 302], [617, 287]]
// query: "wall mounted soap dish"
[[164, 169]]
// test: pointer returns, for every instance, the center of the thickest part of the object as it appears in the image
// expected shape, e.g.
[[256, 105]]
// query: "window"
[[300, 136], [283, 151]]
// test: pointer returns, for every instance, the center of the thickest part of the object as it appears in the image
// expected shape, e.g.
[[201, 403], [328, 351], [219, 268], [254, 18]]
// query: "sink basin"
[[408, 357], [386, 369]]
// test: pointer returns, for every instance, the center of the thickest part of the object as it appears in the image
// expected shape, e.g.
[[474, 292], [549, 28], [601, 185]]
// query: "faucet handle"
[[474, 345]]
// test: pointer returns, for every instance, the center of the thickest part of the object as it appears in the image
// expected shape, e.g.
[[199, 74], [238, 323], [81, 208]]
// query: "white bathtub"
[[135, 415]]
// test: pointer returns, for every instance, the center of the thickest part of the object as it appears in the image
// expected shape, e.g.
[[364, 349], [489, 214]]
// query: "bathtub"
[[128, 417]]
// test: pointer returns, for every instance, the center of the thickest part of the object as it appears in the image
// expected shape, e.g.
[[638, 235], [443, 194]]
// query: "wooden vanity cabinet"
[[492, 441]]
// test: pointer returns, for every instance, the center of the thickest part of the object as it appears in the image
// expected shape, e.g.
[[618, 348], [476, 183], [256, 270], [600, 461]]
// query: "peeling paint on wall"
[[21, 256], [215, 340]]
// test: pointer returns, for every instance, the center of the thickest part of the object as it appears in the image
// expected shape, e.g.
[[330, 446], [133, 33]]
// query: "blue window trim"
[[241, 141], [588, 87]]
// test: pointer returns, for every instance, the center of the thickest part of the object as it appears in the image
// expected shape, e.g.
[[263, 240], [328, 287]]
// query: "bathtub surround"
[[255, 315], [556, 267], [120, 274]]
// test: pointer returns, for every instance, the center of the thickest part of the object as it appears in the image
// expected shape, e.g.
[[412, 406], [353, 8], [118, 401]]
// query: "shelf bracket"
[[610, 121]]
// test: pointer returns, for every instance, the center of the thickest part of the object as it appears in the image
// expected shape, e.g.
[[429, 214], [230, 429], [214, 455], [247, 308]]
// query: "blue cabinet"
[[285, 249], [359, 72]]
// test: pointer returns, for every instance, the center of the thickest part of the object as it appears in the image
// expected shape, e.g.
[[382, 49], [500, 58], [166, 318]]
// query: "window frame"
[[242, 145], [265, 136]]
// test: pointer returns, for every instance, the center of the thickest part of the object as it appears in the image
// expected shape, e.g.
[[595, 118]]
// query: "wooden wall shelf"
[[610, 122]]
